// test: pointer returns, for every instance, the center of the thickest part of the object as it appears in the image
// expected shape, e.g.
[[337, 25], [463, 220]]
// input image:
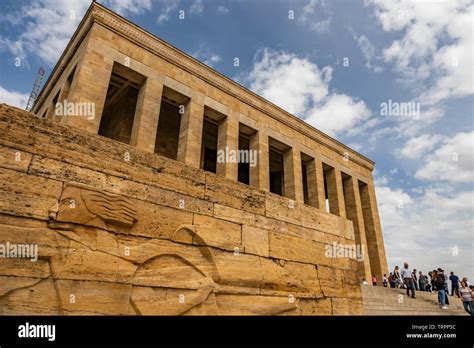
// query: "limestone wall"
[[123, 231], [108, 53]]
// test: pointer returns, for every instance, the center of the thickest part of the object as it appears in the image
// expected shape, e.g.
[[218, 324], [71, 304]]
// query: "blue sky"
[[333, 64]]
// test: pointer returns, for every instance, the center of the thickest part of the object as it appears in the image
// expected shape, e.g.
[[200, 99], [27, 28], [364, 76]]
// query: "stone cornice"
[[105, 17]]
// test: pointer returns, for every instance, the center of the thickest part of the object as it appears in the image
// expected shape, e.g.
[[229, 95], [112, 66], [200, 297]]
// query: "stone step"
[[384, 301], [409, 302], [404, 313], [423, 309]]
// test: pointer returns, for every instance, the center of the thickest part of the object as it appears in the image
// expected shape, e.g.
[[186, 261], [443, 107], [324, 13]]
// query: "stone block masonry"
[[151, 235], [133, 214]]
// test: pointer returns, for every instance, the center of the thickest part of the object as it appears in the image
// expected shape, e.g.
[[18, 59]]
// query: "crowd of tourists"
[[435, 281]]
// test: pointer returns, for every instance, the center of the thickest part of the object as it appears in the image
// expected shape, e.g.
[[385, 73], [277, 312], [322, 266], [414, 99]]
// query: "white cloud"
[[222, 9], [47, 26], [380, 180], [166, 7], [412, 126], [356, 146], [419, 146], [433, 57], [338, 113], [13, 98], [424, 229], [300, 87], [368, 51], [453, 161], [436, 46], [309, 9], [125, 7], [197, 7], [309, 16], [205, 55], [15, 47], [321, 26]]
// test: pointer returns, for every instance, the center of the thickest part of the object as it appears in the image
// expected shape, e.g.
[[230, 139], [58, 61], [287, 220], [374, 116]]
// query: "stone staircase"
[[378, 300]]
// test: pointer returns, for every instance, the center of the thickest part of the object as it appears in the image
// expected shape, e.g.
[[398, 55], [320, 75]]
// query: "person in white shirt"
[[407, 276]]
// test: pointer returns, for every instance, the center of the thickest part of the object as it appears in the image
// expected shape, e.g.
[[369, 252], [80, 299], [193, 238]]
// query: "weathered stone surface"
[[81, 149], [177, 200], [226, 192], [137, 243], [155, 301], [322, 221], [291, 277], [49, 242], [121, 230], [13, 220], [239, 269], [282, 208], [26, 195], [94, 298], [89, 207], [234, 215], [332, 281], [24, 267], [26, 296], [347, 306], [301, 250], [255, 241], [14, 159], [86, 206], [84, 263], [255, 305], [49, 168], [218, 233], [315, 306]]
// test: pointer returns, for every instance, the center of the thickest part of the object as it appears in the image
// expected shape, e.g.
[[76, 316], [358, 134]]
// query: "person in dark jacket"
[[415, 279], [438, 283], [445, 280], [428, 283], [422, 281], [454, 284], [391, 280]]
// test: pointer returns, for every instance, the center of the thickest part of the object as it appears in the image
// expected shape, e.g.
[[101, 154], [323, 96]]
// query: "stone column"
[[228, 141], [190, 134], [66, 87], [147, 113], [355, 214], [373, 230], [335, 193], [293, 177], [90, 86], [260, 175], [316, 195]]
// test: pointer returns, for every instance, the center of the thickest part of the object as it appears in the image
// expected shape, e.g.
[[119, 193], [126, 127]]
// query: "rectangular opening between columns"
[[210, 133], [327, 171], [347, 190], [173, 106], [120, 103], [308, 180], [276, 158], [67, 85], [245, 156]]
